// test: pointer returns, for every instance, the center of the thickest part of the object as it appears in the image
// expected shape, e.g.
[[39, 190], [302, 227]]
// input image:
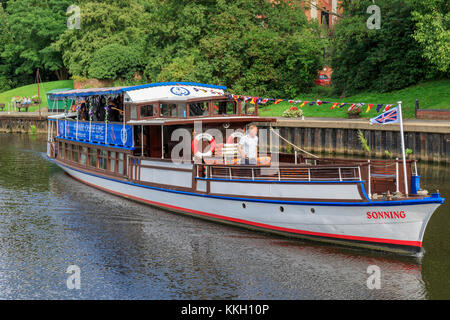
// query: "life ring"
[[212, 145], [236, 134]]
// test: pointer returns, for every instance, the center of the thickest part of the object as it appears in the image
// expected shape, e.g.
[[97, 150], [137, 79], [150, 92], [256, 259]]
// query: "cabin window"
[[103, 159], [83, 156], [249, 109], [68, 152], [181, 110], [168, 110], [198, 109], [93, 157], [61, 150], [148, 111], [120, 163], [224, 107], [172, 110], [133, 112], [112, 161], [75, 150]]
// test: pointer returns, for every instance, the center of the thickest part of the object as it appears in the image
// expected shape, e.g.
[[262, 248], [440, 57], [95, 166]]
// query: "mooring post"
[[417, 108]]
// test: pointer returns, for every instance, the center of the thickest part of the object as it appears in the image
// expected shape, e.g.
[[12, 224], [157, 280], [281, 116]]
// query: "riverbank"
[[432, 95], [429, 140]]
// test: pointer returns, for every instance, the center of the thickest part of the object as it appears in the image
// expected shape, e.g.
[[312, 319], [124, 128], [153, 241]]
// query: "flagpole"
[[402, 137]]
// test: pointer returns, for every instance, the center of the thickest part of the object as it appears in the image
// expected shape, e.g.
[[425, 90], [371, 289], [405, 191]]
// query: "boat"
[[173, 145]]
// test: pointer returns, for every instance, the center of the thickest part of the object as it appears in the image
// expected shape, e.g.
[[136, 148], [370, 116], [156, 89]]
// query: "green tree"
[[380, 60], [116, 23], [253, 47], [32, 27], [114, 61], [432, 18]]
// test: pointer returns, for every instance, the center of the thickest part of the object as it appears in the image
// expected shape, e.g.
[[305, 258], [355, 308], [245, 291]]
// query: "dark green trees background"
[[254, 47]]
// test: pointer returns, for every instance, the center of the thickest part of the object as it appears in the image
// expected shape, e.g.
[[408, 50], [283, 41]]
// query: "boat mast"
[[402, 137], [39, 96]]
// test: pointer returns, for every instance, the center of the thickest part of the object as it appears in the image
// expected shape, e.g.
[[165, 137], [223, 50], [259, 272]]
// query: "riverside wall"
[[429, 140]]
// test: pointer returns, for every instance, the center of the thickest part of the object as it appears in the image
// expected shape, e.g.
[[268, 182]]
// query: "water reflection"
[[126, 250]]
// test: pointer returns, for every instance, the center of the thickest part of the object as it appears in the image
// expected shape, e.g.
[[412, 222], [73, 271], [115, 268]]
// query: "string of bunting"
[[261, 101], [351, 106]]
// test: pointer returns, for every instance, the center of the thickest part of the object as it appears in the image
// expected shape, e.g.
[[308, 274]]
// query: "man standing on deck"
[[248, 146]]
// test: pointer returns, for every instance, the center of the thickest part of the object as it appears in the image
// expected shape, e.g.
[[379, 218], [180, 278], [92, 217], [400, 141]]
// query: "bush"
[[293, 112], [114, 61]]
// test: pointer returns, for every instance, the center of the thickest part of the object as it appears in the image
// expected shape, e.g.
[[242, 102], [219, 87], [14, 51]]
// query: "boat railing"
[[279, 173], [380, 175]]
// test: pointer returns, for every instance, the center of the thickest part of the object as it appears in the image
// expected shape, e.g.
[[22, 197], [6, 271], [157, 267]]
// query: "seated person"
[[114, 111]]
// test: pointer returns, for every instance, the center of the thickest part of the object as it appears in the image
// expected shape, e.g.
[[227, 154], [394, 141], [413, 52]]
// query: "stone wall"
[[17, 123], [429, 141], [433, 114]]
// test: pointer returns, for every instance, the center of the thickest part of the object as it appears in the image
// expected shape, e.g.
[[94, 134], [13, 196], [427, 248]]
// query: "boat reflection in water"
[[158, 255], [128, 250]]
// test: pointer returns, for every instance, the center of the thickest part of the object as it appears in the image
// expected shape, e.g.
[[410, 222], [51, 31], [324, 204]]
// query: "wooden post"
[[397, 182], [417, 108], [39, 96]]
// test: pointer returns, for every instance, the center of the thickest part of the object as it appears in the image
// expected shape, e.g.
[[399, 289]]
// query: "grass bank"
[[431, 95], [31, 90]]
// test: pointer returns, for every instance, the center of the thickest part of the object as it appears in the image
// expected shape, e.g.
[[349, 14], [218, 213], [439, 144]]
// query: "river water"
[[125, 250]]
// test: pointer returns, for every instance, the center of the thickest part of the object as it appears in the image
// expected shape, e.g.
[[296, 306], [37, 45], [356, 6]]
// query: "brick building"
[[322, 11]]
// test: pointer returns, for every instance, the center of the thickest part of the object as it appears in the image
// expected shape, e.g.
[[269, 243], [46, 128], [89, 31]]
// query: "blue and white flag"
[[391, 116]]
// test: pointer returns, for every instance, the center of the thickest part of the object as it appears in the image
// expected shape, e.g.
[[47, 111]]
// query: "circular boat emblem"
[[180, 91], [123, 135]]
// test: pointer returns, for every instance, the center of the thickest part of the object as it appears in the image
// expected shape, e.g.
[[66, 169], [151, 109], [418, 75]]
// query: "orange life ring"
[[212, 146], [236, 134]]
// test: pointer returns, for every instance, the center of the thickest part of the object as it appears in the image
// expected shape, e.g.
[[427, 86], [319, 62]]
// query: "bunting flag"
[[259, 100], [388, 106], [278, 101]]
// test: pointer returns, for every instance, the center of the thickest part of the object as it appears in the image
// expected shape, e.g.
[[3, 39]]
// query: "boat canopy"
[[149, 92], [173, 92]]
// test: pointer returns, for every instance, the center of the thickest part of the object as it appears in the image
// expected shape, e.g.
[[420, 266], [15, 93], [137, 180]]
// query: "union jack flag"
[[390, 116]]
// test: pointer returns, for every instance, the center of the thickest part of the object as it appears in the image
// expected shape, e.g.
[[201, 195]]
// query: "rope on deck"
[[293, 145]]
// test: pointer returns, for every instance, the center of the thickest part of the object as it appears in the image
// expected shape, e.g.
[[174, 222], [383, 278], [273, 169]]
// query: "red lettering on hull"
[[386, 215]]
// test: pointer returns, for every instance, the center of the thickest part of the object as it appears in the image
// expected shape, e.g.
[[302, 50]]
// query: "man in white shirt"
[[248, 146]]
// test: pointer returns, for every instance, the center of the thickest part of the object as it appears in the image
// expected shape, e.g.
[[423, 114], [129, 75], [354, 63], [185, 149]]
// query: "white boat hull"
[[394, 226]]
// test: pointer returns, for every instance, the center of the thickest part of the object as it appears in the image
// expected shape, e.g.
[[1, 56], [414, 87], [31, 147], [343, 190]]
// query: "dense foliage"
[[28, 28], [378, 60], [250, 46], [432, 32], [254, 47]]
